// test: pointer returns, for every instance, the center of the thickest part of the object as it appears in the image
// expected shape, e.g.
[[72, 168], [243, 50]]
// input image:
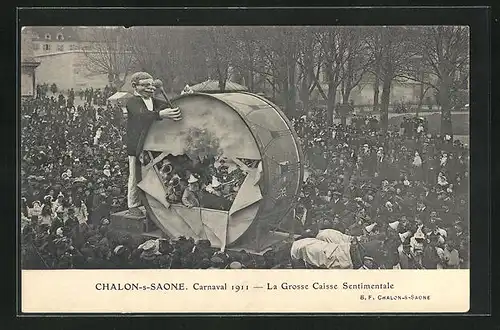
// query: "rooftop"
[[55, 33]]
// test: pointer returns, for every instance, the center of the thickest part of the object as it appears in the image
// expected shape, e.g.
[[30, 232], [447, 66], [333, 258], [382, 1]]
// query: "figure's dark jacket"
[[139, 119]]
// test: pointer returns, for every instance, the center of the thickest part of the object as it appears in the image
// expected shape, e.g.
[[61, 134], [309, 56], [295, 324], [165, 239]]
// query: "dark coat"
[[139, 119]]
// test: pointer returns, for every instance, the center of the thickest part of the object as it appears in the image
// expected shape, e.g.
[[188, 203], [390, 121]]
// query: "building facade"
[[28, 64], [62, 60]]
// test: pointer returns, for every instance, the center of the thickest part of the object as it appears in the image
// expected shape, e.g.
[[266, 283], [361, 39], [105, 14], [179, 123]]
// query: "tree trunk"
[[330, 104], [347, 92], [291, 87], [423, 91], [285, 95], [376, 92], [250, 82], [444, 98], [304, 92], [384, 106]]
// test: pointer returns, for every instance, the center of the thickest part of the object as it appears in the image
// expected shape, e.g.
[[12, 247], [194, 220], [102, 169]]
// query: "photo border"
[[477, 18]]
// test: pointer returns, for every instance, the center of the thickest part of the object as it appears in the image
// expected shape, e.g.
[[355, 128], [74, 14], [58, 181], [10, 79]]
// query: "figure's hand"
[[171, 113]]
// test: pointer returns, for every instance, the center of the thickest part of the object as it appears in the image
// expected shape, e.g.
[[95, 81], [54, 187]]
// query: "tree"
[[310, 60], [277, 58], [445, 51], [221, 49], [393, 50], [108, 53], [334, 44], [358, 63]]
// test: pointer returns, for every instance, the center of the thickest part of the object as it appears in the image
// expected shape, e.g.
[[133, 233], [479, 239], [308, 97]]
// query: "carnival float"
[[241, 157]]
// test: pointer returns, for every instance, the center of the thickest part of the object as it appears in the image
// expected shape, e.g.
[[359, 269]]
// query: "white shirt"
[[147, 101]]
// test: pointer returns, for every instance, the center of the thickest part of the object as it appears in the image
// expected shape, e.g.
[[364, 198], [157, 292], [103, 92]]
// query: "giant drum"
[[247, 127]]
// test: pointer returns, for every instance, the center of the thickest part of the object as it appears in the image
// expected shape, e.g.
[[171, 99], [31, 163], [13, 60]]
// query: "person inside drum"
[[142, 111], [190, 196]]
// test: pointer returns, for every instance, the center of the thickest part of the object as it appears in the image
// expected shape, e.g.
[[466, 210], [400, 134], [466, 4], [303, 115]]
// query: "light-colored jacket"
[[81, 213]]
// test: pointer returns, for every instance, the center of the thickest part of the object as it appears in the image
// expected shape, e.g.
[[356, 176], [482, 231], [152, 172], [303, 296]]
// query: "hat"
[[104, 221], [235, 265], [192, 179], [36, 202], [107, 166], [394, 225], [60, 194], [59, 231], [404, 236], [419, 234], [368, 258], [147, 246], [215, 182], [370, 227]]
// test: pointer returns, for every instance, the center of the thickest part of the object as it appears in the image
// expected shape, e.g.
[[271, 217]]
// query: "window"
[[47, 36], [60, 37], [60, 48], [46, 47], [73, 47], [36, 46]]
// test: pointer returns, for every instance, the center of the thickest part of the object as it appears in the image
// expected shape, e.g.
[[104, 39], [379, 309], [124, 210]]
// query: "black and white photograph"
[[244, 147]]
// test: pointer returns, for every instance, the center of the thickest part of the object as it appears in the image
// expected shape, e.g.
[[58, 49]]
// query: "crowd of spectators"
[[363, 181], [74, 176]]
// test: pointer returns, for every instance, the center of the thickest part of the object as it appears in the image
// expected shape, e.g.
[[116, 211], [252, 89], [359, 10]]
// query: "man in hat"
[[149, 254], [190, 196], [120, 258], [368, 263], [406, 258], [58, 221], [142, 111], [214, 187], [58, 202]]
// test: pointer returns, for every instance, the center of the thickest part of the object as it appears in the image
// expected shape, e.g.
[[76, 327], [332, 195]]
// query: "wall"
[[26, 82], [27, 67], [67, 70]]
